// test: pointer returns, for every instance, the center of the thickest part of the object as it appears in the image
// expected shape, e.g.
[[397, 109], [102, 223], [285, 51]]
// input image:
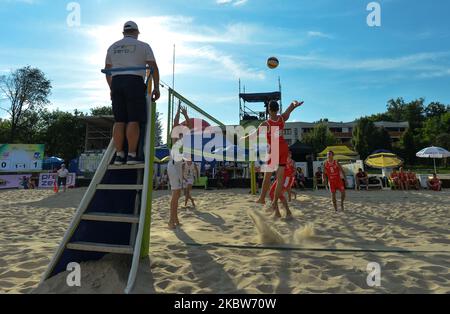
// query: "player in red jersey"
[[291, 172], [288, 181], [278, 149], [333, 175]]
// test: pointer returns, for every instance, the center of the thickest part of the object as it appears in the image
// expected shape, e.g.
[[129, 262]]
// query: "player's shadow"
[[145, 282], [210, 274], [211, 219]]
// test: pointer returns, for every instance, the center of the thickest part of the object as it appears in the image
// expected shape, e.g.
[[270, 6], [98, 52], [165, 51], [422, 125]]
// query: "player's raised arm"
[[262, 125], [294, 105]]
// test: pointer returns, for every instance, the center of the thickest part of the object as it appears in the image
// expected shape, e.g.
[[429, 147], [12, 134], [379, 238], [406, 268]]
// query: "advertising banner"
[[47, 180], [303, 166], [14, 181], [21, 157]]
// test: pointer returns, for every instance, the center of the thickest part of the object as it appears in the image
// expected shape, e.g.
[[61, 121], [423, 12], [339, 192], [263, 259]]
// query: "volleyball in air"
[[273, 63]]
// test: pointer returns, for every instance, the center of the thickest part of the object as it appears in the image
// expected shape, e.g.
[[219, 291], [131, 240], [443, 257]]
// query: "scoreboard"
[[21, 157]]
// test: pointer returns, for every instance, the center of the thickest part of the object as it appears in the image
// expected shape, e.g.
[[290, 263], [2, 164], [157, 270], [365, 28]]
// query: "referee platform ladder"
[[114, 215]]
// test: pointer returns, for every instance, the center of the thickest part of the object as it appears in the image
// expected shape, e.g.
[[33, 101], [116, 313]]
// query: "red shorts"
[[337, 185], [281, 155], [287, 184]]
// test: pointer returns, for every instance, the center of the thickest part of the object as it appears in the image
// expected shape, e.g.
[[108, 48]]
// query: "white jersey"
[[63, 173], [129, 52]]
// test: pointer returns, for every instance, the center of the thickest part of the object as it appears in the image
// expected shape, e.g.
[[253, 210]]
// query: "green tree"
[[102, 111], [434, 127], [436, 109], [320, 138], [396, 109], [366, 137], [29, 128], [5, 126], [27, 89], [63, 134], [158, 129], [415, 113], [381, 140], [410, 144]]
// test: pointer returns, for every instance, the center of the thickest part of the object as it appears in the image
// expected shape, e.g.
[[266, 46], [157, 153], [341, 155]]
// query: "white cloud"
[[419, 61], [194, 44], [434, 74], [235, 3], [317, 34], [19, 1], [239, 2]]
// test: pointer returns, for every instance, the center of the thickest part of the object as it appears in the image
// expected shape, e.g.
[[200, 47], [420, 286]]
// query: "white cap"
[[130, 25]]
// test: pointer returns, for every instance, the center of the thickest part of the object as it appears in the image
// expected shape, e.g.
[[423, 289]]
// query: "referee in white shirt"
[[128, 90]]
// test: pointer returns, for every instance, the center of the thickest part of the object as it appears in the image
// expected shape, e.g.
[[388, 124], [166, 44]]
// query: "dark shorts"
[[62, 181], [129, 99]]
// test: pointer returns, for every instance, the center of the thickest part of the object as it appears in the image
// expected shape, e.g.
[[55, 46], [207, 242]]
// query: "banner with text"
[[47, 180]]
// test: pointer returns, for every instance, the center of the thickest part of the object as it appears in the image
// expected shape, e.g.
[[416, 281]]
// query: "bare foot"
[[277, 215], [289, 215], [261, 201], [172, 226]]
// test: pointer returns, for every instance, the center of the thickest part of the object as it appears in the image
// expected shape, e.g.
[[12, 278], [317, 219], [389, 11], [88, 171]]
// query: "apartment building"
[[343, 131]]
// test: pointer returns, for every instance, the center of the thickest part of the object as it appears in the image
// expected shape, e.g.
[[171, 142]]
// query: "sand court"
[[219, 249]]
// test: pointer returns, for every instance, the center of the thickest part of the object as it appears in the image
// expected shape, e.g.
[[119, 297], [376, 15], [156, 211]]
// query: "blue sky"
[[329, 57]]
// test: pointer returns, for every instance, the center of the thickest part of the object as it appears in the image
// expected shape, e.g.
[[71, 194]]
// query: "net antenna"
[[194, 112]]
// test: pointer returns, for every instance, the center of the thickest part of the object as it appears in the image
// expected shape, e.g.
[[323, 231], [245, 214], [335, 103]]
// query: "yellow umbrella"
[[343, 158], [383, 160], [339, 150]]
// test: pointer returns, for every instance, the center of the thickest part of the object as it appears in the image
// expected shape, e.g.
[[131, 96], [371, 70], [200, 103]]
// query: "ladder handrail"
[[149, 156], [98, 177]]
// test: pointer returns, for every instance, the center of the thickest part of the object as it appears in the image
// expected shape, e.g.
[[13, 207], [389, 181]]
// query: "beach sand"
[[33, 223]]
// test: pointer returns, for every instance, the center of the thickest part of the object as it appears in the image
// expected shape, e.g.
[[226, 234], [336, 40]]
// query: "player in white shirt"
[[128, 90], [63, 173], [175, 168], [191, 173]]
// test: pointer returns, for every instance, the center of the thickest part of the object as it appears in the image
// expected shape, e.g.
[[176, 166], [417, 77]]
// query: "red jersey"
[[275, 130], [332, 170], [290, 169], [403, 176]]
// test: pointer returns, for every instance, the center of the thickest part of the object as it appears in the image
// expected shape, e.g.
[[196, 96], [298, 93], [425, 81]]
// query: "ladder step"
[[126, 167], [119, 187], [101, 248], [108, 217]]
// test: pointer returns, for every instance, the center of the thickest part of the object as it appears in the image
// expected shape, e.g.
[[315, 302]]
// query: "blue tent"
[[51, 163]]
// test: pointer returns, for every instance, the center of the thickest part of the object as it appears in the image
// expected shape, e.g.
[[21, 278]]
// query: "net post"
[[253, 178], [169, 118]]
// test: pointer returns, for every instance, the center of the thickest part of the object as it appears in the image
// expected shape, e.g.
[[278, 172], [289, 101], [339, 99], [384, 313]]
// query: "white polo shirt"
[[63, 173], [129, 52]]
